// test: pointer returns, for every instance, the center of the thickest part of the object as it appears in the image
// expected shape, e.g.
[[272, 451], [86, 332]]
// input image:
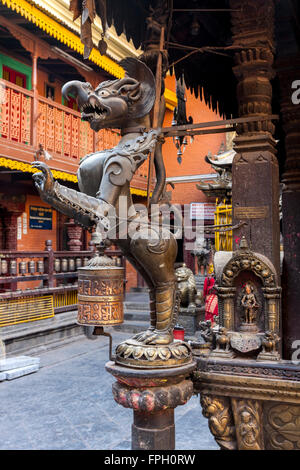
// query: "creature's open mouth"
[[90, 112]]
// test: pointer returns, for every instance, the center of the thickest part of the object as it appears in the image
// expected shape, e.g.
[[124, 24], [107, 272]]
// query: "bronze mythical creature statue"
[[105, 176]]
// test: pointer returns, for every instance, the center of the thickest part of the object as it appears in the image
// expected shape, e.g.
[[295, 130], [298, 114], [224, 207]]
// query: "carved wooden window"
[[14, 76]]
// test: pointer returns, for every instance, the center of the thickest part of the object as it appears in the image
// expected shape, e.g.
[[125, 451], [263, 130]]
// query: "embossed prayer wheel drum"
[[100, 293]]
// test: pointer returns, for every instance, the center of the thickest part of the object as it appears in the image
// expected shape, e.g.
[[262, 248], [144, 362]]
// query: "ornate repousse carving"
[[247, 417], [223, 348], [220, 420], [246, 261], [249, 303], [269, 347], [130, 352], [282, 422], [251, 370], [248, 16]]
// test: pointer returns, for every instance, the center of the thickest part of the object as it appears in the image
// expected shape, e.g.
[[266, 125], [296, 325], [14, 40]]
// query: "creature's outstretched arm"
[[85, 210]]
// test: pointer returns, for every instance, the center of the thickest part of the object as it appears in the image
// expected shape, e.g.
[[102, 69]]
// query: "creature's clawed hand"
[[43, 179]]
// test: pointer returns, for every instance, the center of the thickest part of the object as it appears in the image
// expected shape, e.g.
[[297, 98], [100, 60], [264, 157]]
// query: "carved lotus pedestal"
[[153, 394], [250, 405]]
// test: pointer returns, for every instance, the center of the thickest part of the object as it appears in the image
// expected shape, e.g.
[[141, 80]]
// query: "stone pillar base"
[[154, 431], [153, 394]]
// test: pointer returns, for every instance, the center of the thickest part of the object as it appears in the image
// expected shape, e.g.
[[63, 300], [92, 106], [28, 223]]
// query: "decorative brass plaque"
[[251, 212]]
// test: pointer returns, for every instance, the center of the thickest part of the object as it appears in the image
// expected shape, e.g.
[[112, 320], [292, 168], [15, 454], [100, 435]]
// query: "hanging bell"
[[100, 292], [179, 155], [184, 143], [102, 45]]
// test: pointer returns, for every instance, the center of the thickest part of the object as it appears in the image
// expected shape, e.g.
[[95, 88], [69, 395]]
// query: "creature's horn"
[[77, 89]]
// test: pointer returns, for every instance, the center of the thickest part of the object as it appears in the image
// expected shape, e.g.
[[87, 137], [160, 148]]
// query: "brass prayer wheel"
[[13, 268], [100, 293], [31, 267], [64, 265], [4, 267], [40, 267], [57, 265], [71, 264], [22, 267]]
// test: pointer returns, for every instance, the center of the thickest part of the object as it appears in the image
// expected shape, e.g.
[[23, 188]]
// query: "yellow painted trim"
[[138, 192], [27, 168], [171, 99], [62, 34]]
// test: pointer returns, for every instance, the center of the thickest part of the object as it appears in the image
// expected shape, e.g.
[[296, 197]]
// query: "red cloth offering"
[[211, 299]]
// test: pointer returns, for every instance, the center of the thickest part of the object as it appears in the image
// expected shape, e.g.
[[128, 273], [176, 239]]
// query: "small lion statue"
[[186, 285]]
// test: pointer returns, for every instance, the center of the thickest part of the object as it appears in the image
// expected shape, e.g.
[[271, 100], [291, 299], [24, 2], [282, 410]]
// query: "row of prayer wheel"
[[65, 265], [10, 267]]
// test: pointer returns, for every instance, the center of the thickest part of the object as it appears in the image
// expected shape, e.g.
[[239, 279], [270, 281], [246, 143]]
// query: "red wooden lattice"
[[58, 122], [67, 134], [5, 112], [49, 128]]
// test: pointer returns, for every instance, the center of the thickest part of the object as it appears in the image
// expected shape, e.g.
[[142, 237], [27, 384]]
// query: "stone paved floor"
[[68, 405]]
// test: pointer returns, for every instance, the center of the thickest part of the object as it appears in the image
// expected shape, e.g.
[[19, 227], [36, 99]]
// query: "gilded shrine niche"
[[249, 307]]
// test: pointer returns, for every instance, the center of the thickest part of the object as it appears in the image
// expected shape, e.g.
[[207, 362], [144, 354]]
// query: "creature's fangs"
[[92, 112]]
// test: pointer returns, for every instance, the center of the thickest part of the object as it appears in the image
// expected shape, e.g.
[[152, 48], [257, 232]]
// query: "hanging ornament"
[[179, 155], [180, 118], [102, 45]]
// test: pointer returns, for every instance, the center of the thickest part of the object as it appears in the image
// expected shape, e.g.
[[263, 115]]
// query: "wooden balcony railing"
[[59, 129], [15, 113], [50, 267]]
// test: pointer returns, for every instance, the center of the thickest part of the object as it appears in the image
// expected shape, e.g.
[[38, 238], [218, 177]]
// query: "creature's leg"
[[125, 247], [157, 258]]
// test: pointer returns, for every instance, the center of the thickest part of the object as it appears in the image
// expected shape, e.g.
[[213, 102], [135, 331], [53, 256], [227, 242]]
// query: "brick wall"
[[35, 239]]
